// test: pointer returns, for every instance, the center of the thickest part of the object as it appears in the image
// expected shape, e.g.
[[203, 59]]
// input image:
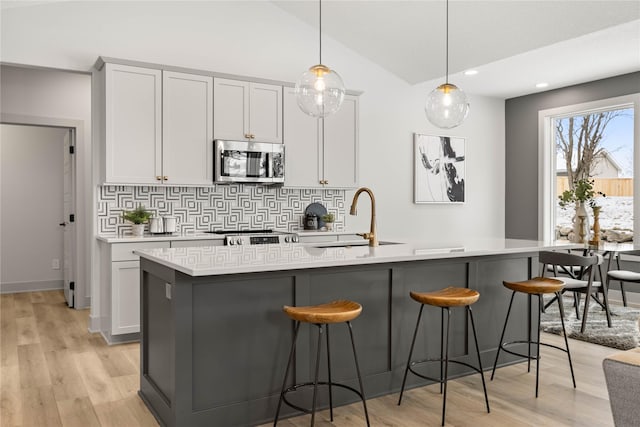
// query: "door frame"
[[77, 128]]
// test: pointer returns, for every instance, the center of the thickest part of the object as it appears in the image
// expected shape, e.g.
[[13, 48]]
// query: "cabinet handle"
[[253, 136], [159, 178], [166, 178], [247, 135]]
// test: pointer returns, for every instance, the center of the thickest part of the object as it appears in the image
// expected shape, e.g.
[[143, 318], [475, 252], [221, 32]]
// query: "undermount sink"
[[347, 245]]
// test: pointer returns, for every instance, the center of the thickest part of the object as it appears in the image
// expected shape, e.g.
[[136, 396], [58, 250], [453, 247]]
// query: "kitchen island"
[[215, 341]]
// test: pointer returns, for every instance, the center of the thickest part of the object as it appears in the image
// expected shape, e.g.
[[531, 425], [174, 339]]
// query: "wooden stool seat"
[[331, 312], [536, 286], [448, 297]]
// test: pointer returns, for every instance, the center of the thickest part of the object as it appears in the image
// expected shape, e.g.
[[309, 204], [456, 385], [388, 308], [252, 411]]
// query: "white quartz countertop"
[[218, 260]]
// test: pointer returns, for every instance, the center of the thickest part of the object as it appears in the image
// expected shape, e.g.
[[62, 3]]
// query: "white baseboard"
[[42, 285]]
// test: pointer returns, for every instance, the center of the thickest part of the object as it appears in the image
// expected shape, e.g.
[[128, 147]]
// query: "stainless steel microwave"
[[244, 161]]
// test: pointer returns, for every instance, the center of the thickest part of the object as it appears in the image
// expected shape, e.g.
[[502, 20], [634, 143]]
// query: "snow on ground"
[[616, 213]]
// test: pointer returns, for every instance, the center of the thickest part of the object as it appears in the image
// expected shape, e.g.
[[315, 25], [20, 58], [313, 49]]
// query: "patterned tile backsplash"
[[229, 206]]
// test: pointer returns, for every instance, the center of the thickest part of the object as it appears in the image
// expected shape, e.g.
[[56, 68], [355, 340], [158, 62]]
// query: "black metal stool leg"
[[355, 357], [504, 328], [529, 333], [566, 341], [441, 346], [446, 366], [406, 369], [538, 345], [315, 383], [475, 339], [329, 374], [286, 372]]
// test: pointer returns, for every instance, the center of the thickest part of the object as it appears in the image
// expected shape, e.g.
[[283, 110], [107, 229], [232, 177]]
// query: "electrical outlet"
[[167, 290], [55, 264]]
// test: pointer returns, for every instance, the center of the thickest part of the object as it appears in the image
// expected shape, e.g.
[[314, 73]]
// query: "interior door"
[[68, 224]]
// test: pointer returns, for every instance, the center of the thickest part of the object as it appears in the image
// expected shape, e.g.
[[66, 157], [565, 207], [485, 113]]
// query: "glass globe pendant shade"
[[320, 91], [446, 106]]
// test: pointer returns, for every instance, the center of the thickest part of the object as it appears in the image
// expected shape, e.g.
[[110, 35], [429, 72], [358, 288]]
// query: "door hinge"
[[72, 149], [72, 218], [72, 285]]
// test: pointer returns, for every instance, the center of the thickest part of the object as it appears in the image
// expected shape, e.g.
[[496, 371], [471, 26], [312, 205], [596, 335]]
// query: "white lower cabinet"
[[120, 290], [125, 297]]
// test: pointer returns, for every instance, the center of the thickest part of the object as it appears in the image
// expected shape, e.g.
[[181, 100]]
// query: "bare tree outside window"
[[579, 138], [596, 148]]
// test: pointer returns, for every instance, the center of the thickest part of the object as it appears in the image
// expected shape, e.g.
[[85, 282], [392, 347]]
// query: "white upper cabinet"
[[133, 124], [341, 146], [321, 153], [303, 164], [265, 112], [158, 127], [187, 124], [246, 111]]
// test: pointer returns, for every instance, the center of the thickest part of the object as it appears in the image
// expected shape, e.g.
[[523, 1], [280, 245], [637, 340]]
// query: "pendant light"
[[447, 105], [320, 90]]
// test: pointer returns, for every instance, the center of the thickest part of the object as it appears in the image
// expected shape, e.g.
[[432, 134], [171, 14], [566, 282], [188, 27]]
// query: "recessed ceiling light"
[[471, 72], [542, 85]]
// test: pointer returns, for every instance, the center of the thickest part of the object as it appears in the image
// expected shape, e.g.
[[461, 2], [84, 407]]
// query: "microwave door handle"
[[269, 165]]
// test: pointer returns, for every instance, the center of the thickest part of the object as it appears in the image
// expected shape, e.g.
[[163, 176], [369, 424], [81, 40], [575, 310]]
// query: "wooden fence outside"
[[612, 187]]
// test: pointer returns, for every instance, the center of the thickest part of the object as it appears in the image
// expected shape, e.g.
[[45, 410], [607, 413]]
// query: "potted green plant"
[[328, 220], [138, 217], [579, 196]]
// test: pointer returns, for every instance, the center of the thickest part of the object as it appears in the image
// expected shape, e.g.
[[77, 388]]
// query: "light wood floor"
[[53, 372]]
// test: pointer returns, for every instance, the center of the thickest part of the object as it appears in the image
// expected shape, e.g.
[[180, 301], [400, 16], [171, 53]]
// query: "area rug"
[[624, 333]]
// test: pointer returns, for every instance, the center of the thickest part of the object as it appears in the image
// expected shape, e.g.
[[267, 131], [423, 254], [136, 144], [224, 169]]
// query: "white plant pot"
[[329, 226], [137, 230]]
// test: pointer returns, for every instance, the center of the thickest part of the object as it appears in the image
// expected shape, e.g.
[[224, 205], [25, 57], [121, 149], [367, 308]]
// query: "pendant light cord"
[[320, 27], [447, 46]]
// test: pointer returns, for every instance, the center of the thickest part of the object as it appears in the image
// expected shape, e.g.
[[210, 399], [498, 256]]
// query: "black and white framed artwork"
[[439, 169]]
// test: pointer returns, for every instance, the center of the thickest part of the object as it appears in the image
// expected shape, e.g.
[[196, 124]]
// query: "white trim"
[[547, 158]]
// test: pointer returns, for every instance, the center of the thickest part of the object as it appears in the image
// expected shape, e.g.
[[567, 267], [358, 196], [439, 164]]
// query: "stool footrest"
[[526, 356], [412, 364], [295, 387]]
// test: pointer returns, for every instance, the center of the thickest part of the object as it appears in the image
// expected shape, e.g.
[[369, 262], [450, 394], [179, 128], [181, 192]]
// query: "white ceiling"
[[513, 44]]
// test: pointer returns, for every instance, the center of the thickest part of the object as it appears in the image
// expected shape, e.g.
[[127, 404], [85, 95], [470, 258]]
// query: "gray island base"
[[215, 346]]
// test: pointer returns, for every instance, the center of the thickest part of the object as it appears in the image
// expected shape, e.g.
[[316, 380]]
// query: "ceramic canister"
[[170, 224]]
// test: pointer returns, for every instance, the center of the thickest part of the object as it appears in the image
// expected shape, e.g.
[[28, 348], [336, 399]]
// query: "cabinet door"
[[133, 127], [341, 146], [301, 142], [265, 113], [230, 109], [125, 297], [187, 129]]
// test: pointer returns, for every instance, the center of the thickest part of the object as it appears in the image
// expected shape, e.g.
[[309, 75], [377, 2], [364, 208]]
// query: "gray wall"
[[58, 98], [521, 139], [31, 195]]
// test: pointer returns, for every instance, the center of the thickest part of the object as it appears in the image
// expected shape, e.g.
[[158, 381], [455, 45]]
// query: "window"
[[593, 141]]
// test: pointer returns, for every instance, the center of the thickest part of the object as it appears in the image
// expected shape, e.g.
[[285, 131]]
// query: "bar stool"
[[321, 316], [445, 299], [540, 286]]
